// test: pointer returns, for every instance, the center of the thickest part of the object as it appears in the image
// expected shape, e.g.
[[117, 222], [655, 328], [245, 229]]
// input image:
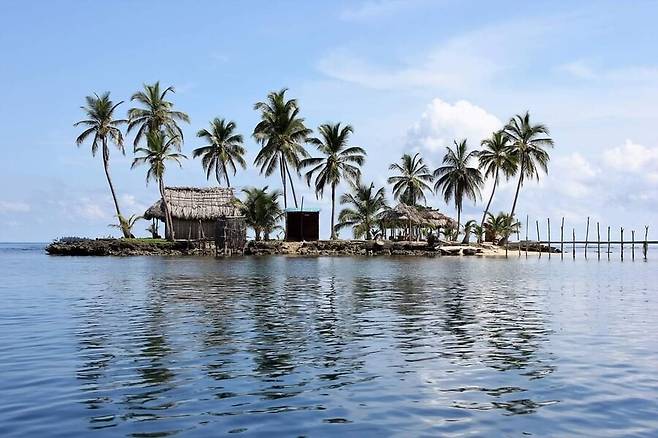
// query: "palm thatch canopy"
[[198, 204], [437, 219], [422, 216]]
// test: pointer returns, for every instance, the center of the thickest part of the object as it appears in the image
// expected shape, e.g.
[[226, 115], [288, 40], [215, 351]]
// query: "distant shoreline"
[[145, 247]]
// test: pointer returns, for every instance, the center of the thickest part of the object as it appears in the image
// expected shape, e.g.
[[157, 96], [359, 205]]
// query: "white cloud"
[[632, 157], [14, 207], [442, 122], [578, 69]]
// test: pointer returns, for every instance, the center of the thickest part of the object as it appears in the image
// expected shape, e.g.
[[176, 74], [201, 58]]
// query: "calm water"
[[278, 346]]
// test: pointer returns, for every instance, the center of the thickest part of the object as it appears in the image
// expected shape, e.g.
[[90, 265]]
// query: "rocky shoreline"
[[148, 247]]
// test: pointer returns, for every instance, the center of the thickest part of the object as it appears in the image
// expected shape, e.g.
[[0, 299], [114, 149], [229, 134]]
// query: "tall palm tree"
[[529, 143], [261, 210], [366, 205], [157, 114], [281, 133], [160, 148], [410, 185], [456, 179], [101, 124], [341, 161], [223, 151], [495, 157]]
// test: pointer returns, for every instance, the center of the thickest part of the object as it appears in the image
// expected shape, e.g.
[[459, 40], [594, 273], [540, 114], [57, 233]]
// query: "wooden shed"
[[302, 224], [195, 211]]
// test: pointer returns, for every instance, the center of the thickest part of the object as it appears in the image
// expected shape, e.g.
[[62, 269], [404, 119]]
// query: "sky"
[[409, 76]]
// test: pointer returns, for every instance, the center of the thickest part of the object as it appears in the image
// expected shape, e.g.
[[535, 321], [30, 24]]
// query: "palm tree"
[[501, 226], [281, 133], [160, 148], [366, 205], [261, 210], [127, 224], [102, 125], [496, 156], [341, 161], [528, 144], [157, 114], [412, 182], [223, 151], [456, 179]]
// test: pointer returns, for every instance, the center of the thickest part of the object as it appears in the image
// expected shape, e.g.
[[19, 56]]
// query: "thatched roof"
[[192, 203], [418, 216]]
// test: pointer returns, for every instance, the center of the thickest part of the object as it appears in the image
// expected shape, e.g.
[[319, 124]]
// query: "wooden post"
[[518, 237], [645, 246], [548, 226], [608, 242], [633, 245], [598, 240], [573, 244], [586, 236], [562, 239], [527, 225], [622, 243], [538, 239]]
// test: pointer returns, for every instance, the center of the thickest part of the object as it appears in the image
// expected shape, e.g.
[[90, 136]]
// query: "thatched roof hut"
[[419, 216], [195, 211], [196, 204]]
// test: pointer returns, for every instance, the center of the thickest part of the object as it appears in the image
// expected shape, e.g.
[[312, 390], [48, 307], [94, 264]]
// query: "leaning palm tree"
[[341, 161], [528, 144], [456, 179], [223, 151], [157, 114], [496, 157], [410, 185], [127, 224], [261, 210], [159, 149], [102, 125], [366, 205], [281, 133]]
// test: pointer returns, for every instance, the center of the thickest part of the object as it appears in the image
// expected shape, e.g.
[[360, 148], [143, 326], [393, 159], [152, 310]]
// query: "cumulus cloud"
[[632, 157], [443, 122], [14, 207]]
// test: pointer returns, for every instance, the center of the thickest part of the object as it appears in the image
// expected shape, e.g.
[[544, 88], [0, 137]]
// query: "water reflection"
[[333, 338]]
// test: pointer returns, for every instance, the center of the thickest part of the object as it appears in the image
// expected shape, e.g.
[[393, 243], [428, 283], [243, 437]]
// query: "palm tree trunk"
[[169, 226], [292, 186], [459, 218], [228, 181], [283, 181], [106, 167], [486, 210], [518, 188], [333, 209]]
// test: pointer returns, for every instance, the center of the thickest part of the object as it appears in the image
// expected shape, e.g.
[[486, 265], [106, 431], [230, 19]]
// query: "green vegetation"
[[365, 206], [223, 151], [519, 149], [341, 161]]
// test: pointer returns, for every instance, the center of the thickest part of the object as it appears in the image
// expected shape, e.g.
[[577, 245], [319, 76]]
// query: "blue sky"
[[410, 76]]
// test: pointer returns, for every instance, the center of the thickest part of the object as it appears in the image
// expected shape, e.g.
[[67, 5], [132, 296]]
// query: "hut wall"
[[230, 234], [302, 226], [194, 230]]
